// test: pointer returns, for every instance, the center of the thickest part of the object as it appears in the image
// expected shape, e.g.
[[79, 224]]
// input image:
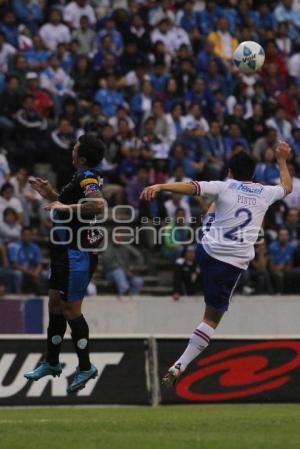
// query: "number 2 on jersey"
[[232, 234]]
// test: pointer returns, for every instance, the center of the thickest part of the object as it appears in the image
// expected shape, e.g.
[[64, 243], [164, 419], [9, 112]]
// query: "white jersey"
[[240, 208]]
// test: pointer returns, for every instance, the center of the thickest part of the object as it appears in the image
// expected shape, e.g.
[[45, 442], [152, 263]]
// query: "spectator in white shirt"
[[164, 10], [283, 42], [75, 10], [6, 51], [279, 122], [175, 202], [55, 80], [162, 33], [29, 198], [172, 37], [178, 37], [195, 116], [163, 127], [10, 228], [57, 83], [86, 37], [55, 32], [24, 38], [294, 63], [296, 5], [122, 113], [7, 199], [4, 169], [179, 175]]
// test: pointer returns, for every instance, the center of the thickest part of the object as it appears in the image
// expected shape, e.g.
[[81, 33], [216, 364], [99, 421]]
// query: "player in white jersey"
[[227, 245]]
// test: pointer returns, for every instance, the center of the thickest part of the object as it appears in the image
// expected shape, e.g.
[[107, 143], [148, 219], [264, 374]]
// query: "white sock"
[[198, 342]]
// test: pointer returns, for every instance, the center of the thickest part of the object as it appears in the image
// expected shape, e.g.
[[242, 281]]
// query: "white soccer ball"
[[249, 57]]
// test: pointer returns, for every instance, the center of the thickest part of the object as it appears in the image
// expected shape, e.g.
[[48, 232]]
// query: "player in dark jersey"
[[72, 259]]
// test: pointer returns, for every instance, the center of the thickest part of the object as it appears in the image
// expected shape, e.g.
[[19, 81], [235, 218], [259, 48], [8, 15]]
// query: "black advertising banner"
[[228, 371], [120, 362], [235, 371]]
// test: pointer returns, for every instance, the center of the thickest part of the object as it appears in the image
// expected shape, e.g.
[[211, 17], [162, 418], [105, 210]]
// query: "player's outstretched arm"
[[283, 152], [93, 204], [184, 188]]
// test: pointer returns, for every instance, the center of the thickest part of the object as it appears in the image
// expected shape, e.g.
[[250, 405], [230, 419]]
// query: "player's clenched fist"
[[149, 193], [283, 150]]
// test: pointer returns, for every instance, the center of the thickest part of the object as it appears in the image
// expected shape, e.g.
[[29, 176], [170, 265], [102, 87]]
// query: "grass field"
[[182, 427]]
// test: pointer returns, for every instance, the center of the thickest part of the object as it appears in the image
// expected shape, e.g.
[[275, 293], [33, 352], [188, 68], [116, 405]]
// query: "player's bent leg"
[[197, 344], [55, 334], [80, 337], [219, 282]]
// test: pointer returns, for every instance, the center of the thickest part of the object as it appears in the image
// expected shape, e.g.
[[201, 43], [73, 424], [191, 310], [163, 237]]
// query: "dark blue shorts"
[[70, 272], [219, 279]]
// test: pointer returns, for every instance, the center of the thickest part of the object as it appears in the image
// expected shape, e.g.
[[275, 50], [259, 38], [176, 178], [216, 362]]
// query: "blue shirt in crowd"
[[281, 255], [36, 57], [159, 82], [109, 100], [29, 13], [207, 20], [267, 174], [295, 144], [25, 255], [189, 22], [11, 34], [116, 37]]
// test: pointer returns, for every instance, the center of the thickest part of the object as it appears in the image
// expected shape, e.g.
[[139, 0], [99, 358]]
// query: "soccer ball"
[[249, 57]]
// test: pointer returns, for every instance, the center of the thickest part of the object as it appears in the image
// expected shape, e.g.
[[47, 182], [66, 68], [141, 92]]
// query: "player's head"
[[242, 166], [88, 151]]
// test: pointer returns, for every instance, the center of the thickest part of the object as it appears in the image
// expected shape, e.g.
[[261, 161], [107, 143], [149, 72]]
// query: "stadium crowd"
[[155, 81]]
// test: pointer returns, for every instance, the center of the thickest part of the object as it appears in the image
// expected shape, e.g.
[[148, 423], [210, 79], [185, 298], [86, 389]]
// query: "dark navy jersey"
[[81, 185], [67, 226]]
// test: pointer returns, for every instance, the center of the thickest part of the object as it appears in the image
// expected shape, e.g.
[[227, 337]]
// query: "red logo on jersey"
[[240, 372]]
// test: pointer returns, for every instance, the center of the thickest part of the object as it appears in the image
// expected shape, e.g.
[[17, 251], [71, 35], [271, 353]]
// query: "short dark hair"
[[242, 166], [6, 186], [9, 210], [55, 9], [91, 148]]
